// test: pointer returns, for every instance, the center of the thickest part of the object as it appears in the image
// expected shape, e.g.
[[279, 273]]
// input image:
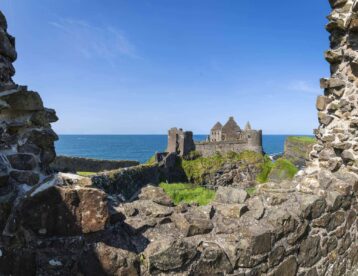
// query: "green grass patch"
[[266, 168], [283, 169], [188, 193], [195, 170], [151, 161], [251, 191], [302, 139], [86, 173]]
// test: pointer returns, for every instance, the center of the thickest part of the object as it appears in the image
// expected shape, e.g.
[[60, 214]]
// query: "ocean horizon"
[[139, 147]]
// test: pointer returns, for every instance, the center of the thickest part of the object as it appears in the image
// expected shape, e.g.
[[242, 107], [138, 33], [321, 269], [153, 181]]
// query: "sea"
[[136, 147]]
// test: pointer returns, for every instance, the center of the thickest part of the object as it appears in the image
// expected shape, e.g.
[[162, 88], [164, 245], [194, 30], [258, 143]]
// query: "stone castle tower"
[[180, 142]]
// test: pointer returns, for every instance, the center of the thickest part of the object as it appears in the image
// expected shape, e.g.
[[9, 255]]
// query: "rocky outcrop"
[[79, 164], [297, 150]]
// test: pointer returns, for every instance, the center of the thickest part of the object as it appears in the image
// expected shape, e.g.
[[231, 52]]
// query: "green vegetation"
[[282, 169], [302, 139], [86, 173], [266, 168], [251, 191], [188, 193], [195, 170], [193, 155], [151, 160]]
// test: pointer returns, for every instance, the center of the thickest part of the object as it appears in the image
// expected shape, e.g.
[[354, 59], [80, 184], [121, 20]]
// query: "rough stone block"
[[25, 100], [22, 161], [321, 103], [230, 195]]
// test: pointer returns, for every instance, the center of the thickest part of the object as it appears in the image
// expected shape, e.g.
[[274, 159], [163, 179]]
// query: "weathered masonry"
[[222, 139], [231, 137]]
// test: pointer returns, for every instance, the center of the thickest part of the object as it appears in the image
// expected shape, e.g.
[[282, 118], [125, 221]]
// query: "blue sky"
[[141, 67]]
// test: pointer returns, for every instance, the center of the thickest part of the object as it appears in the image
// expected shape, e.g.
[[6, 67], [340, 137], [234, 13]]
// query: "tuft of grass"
[[266, 168], [196, 170], [151, 160], [302, 139], [251, 191], [188, 193], [86, 173]]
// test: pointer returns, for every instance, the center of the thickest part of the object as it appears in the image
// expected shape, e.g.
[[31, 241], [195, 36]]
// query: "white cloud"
[[96, 42], [304, 86]]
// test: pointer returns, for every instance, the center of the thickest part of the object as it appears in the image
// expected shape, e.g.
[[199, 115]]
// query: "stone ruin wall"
[[26, 138], [210, 148], [336, 152], [180, 142], [252, 142]]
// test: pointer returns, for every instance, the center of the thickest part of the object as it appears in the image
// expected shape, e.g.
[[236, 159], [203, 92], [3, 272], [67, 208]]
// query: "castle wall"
[[252, 141], [208, 149]]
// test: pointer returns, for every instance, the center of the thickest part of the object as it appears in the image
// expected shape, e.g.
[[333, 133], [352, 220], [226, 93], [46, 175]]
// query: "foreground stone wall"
[[78, 164], [336, 151], [26, 138], [211, 148]]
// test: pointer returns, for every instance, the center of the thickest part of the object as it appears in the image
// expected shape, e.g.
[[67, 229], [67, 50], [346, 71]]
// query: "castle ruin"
[[180, 142], [231, 137]]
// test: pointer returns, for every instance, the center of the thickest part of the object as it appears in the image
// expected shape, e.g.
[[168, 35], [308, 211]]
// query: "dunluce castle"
[[222, 139]]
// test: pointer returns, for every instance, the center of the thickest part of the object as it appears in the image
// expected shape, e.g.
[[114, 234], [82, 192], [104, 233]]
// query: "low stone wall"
[[209, 149], [78, 164], [127, 181]]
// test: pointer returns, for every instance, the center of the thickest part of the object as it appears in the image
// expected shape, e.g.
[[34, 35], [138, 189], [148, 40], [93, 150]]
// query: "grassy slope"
[[196, 169], [302, 139]]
